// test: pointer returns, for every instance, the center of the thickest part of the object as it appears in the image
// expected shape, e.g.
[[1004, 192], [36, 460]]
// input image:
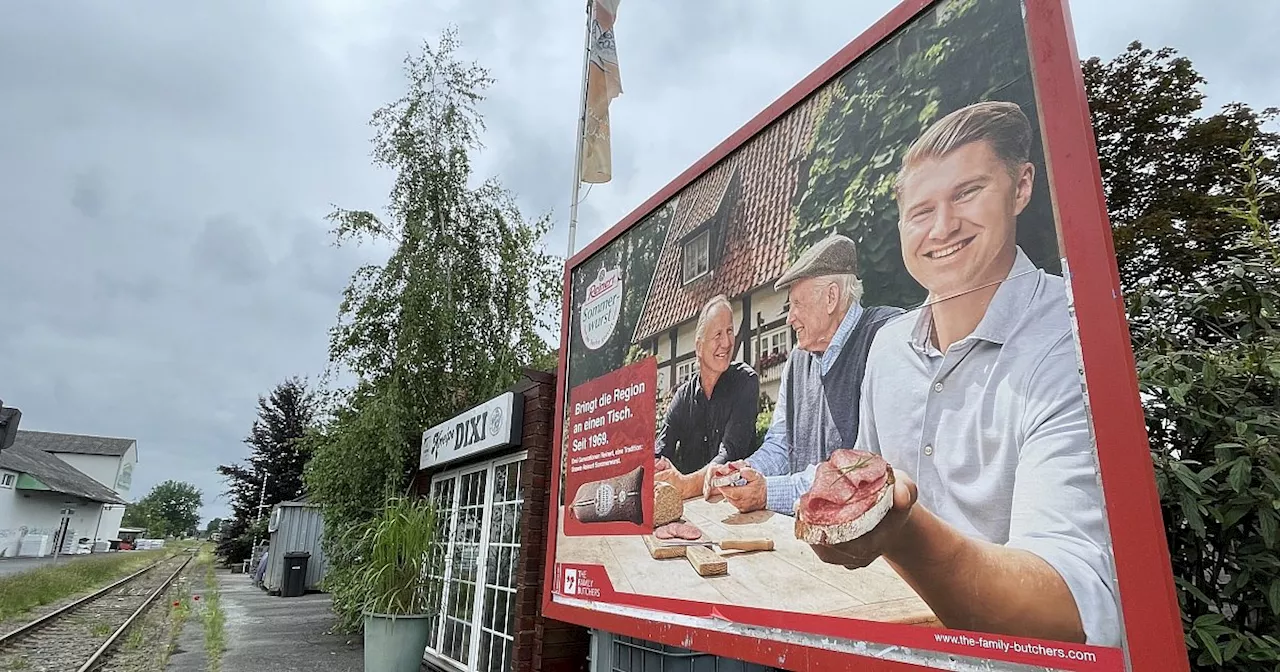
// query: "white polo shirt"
[[996, 435]]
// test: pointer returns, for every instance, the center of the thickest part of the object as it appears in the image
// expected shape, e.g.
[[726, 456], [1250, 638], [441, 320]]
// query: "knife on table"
[[725, 545]]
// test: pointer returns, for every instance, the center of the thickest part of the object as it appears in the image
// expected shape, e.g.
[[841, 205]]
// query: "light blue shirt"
[[783, 489], [995, 433]]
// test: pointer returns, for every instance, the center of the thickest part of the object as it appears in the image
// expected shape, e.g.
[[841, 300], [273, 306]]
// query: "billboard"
[[857, 388]]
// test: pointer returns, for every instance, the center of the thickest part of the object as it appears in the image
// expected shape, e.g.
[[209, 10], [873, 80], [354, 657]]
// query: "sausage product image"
[[612, 500], [852, 492]]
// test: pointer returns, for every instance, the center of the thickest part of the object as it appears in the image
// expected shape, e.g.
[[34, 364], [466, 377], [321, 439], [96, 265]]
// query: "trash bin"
[[294, 581]]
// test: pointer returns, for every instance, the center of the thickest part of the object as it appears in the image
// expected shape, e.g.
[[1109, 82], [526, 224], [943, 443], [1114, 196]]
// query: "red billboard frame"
[[1152, 620]]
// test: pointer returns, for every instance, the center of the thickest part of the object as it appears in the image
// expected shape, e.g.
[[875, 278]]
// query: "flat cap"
[[832, 255]]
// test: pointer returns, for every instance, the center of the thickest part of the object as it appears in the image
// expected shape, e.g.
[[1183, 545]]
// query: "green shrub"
[[764, 418], [1208, 355], [395, 569]]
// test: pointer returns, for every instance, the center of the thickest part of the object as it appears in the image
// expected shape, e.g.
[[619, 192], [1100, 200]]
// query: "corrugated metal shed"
[[295, 526]]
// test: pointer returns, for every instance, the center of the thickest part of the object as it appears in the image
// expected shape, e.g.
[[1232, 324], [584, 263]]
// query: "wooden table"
[[788, 578]]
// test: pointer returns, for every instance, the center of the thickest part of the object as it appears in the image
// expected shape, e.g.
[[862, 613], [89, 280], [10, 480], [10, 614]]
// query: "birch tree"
[[448, 320]]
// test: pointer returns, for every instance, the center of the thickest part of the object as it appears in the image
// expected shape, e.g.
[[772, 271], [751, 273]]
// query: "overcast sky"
[[165, 169]]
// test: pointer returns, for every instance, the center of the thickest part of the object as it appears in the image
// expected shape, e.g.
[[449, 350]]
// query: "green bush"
[[396, 567], [764, 418], [237, 545], [1208, 355]]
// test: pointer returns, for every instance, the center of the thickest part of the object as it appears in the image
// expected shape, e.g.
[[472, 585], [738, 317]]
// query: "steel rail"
[[55, 614], [93, 660]]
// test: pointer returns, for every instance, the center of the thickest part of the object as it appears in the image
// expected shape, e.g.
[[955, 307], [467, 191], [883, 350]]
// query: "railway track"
[[79, 636]]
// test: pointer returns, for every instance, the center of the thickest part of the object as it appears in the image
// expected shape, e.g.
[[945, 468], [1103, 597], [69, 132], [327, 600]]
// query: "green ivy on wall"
[[957, 54]]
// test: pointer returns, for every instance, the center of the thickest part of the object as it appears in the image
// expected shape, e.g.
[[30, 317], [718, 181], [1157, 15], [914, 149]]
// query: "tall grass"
[[213, 617], [24, 591], [397, 552]]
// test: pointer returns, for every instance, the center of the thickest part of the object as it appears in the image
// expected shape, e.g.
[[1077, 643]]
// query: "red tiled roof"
[[755, 247]]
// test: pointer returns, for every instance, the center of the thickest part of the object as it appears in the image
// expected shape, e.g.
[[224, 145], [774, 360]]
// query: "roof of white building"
[[77, 444], [53, 473]]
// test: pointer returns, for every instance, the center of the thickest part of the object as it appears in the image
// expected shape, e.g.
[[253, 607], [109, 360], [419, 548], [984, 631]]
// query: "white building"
[[51, 481]]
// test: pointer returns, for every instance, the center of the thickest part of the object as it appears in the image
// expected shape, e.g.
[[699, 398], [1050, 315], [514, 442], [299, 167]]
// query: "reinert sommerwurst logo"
[[600, 309]]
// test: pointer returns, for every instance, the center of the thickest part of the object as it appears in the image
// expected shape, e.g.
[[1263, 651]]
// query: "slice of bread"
[[668, 506], [839, 533]]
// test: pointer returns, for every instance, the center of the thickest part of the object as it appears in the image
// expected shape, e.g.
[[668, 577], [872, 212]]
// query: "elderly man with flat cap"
[[818, 399]]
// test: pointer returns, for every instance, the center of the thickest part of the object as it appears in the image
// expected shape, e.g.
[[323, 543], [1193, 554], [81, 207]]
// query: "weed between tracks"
[[135, 640]]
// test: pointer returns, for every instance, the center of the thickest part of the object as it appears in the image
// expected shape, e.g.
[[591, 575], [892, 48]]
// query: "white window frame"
[[685, 371], [433, 653], [767, 341], [696, 252], [8, 479]]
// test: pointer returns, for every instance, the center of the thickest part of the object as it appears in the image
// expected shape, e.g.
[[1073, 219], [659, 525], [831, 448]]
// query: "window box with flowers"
[[769, 365]]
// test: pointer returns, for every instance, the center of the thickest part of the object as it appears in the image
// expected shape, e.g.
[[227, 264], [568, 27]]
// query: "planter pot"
[[394, 643]]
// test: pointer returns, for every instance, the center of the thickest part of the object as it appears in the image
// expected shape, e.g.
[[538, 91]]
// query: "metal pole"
[[61, 537], [262, 499], [98, 528], [582, 128]]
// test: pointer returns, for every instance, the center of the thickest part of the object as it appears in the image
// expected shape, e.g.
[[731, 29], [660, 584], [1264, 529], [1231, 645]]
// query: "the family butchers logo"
[[599, 312]]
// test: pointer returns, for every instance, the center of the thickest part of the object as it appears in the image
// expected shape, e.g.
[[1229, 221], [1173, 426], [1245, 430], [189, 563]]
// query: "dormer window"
[[697, 256], [703, 245]]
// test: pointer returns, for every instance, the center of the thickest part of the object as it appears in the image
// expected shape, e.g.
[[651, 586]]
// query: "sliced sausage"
[[686, 531], [665, 532]]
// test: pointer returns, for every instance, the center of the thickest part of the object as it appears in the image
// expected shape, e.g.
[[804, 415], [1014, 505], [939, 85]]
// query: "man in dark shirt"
[[712, 417]]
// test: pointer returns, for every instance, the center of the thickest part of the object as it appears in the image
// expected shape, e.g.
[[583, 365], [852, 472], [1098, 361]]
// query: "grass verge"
[[215, 638], [24, 591]]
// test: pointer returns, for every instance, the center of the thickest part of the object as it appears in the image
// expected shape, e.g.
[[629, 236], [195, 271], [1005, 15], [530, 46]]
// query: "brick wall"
[[542, 644]]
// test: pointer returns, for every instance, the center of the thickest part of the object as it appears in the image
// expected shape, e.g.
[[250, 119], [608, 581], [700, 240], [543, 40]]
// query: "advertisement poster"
[[830, 391]]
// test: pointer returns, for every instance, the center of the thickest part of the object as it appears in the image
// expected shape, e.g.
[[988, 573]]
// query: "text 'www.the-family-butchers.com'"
[[1006, 646]]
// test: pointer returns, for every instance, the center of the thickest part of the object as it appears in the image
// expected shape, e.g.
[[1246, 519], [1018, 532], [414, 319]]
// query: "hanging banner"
[[865, 400], [604, 83]]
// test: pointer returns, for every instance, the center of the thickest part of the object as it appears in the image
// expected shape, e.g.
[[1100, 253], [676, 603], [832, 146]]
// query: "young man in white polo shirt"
[[976, 401]]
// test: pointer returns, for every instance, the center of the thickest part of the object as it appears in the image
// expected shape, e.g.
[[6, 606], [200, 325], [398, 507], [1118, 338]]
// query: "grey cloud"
[[87, 194], [231, 251], [166, 168], [1231, 44], [112, 284]]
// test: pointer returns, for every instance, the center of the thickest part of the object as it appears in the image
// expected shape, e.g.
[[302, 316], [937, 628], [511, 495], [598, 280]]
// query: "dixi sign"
[[490, 425]]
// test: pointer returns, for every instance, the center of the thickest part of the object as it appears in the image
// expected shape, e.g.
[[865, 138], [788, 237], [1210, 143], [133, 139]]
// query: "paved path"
[[273, 634]]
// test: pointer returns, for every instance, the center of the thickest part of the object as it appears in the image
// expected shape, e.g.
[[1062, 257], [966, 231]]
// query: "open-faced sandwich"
[[852, 492]]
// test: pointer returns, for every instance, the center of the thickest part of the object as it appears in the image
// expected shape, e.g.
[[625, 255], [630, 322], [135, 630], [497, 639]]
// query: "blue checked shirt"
[[783, 489]]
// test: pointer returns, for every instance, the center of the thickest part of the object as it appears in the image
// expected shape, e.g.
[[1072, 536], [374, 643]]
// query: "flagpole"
[[582, 129]]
